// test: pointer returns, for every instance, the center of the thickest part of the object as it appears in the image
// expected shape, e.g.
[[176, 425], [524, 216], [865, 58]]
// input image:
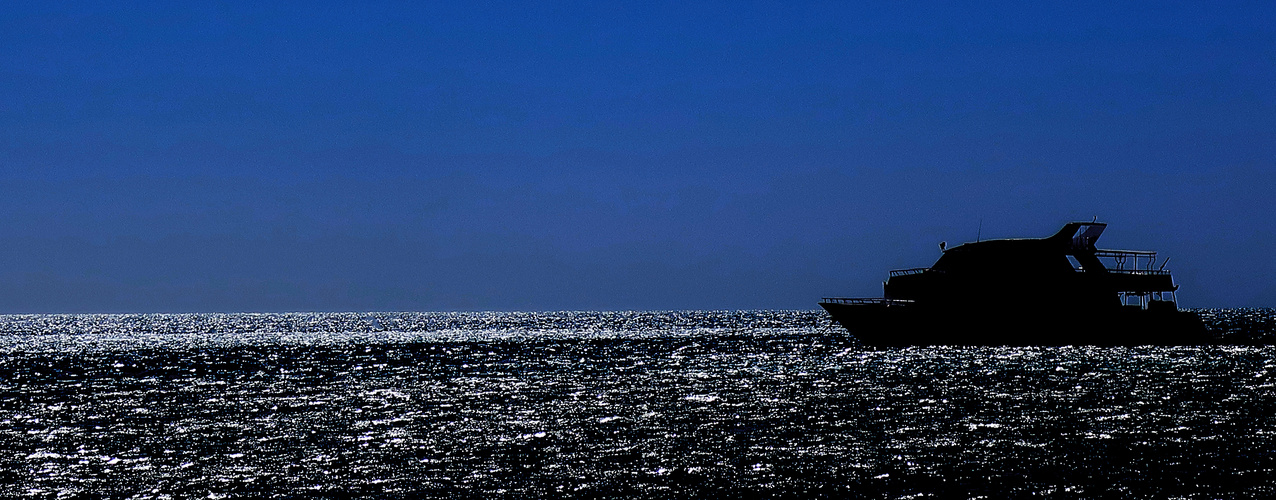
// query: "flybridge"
[[1084, 236], [1132, 273]]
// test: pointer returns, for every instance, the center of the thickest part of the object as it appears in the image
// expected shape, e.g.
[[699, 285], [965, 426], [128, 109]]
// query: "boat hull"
[[886, 324]]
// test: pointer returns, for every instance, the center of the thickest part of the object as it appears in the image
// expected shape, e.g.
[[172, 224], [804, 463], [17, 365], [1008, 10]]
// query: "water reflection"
[[612, 404]]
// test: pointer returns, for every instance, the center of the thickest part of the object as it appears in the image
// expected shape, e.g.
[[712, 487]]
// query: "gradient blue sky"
[[264, 156]]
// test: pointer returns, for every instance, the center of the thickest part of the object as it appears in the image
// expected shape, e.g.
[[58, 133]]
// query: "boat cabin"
[[1063, 269]]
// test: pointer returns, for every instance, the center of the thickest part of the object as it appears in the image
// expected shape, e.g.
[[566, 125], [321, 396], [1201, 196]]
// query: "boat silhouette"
[[1026, 292]]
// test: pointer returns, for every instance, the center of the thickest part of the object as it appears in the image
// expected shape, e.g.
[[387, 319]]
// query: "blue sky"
[[252, 156]]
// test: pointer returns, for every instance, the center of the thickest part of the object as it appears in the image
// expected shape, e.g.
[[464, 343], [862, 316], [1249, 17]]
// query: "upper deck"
[[1067, 264]]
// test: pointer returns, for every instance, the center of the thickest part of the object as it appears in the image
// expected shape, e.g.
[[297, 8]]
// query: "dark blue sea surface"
[[626, 404]]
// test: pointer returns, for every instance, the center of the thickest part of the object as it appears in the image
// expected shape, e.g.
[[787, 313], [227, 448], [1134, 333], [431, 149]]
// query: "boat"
[[1053, 291]]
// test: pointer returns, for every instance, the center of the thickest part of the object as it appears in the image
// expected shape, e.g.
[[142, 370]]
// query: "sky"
[[440, 156]]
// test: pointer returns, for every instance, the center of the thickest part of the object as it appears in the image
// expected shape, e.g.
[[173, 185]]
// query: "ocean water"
[[634, 405]]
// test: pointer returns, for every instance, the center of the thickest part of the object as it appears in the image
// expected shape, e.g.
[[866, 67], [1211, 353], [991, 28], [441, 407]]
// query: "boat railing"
[[848, 300], [1124, 253], [1142, 260], [906, 272], [1140, 271], [1145, 272]]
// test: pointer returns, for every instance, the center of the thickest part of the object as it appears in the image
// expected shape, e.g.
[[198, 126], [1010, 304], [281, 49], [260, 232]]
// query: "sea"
[[671, 404]]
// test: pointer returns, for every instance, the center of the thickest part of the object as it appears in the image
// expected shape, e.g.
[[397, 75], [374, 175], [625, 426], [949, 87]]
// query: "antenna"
[[981, 230]]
